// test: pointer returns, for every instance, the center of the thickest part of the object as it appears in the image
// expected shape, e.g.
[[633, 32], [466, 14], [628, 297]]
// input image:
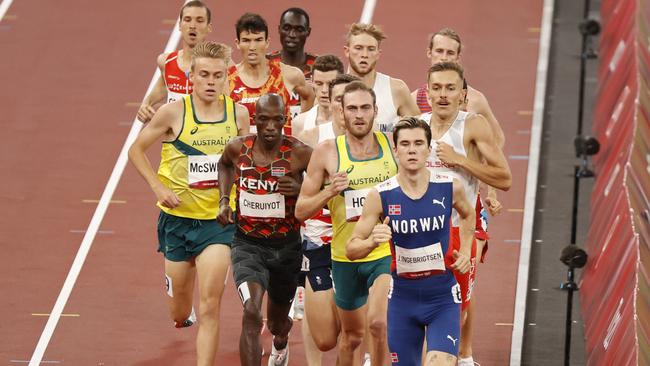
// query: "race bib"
[[354, 200], [172, 96], [261, 205], [202, 171], [419, 262]]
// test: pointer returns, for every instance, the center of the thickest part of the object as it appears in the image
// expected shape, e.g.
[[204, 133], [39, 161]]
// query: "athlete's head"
[[362, 47], [359, 108], [269, 118], [336, 88], [194, 22], [444, 45], [325, 69], [209, 69], [412, 138], [445, 88], [294, 29], [252, 38]]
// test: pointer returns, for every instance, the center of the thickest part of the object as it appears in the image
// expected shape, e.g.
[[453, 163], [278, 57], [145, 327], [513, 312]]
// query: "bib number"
[[261, 205], [419, 262], [354, 200], [202, 171]]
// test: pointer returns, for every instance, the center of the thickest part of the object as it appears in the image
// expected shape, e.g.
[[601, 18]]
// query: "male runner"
[[294, 30], [445, 45], [194, 130], [255, 75], [413, 209], [464, 146], [321, 326], [353, 163], [266, 249], [195, 24], [326, 68], [362, 51]]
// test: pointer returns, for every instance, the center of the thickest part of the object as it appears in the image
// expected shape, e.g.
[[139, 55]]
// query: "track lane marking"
[[523, 268], [96, 220], [4, 6]]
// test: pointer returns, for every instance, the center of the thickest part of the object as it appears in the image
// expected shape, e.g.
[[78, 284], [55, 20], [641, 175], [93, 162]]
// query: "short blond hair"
[[370, 29], [212, 50]]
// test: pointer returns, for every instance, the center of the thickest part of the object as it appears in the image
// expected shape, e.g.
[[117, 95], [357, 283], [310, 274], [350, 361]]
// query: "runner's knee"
[[352, 339], [377, 328], [252, 319]]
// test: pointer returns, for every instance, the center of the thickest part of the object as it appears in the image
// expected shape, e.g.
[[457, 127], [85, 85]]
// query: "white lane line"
[[531, 184], [4, 6], [96, 220], [368, 11]]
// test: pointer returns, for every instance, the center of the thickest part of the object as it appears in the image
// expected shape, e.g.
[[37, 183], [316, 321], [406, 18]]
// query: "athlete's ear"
[[346, 51], [209, 27], [428, 52], [237, 43]]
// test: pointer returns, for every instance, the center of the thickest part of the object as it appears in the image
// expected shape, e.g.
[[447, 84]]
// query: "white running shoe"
[[187, 322], [366, 359], [298, 309], [279, 357], [469, 361]]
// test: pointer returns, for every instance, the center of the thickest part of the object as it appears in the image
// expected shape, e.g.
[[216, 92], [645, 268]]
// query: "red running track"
[[71, 73]]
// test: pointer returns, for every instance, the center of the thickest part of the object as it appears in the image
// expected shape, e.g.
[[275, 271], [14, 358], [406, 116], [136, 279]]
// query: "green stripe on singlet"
[[186, 149]]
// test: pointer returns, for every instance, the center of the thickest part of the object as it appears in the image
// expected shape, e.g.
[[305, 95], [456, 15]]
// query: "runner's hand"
[[338, 183], [447, 155], [146, 112], [492, 203], [225, 214], [288, 186], [462, 263], [382, 233], [166, 196]]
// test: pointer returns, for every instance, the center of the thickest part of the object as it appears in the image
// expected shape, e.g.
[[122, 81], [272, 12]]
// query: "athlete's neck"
[[414, 183], [324, 113], [185, 58], [440, 124], [208, 110], [368, 79], [296, 58], [363, 147], [257, 72]]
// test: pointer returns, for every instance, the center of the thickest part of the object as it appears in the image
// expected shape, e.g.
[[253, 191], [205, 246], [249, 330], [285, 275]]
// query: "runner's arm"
[[296, 80], [368, 232], [467, 216], [243, 120], [312, 198], [160, 126], [226, 172], [147, 108], [404, 104]]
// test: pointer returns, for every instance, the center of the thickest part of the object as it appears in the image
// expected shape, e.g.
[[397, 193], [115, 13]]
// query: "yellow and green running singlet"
[[188, 165], [346, 207]]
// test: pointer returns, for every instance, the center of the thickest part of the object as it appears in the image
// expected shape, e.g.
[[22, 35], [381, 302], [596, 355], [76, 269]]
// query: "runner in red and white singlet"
[[195, 24]]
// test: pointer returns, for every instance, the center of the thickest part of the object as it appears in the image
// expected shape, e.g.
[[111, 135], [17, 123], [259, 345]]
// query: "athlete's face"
[[362, 53], [294, 31], [253, 47], [208, 75], [445, 92], [359, 112], [412, 149], [321, 81], [443, 49], [336, 107], [269, 119], [194, 25]]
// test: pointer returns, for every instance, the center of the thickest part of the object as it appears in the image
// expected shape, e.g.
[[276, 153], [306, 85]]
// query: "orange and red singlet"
[[247, 96], [307, 69]]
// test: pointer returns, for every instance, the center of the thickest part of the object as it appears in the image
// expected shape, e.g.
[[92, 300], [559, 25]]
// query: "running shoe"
[[187, 322], [279, 357], [299, 304]]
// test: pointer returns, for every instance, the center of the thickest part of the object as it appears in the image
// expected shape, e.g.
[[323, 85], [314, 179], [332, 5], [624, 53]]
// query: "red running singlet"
[[177, 81]]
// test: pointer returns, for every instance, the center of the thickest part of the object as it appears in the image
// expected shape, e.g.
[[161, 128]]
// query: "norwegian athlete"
[[195, 131], [413, 211]]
